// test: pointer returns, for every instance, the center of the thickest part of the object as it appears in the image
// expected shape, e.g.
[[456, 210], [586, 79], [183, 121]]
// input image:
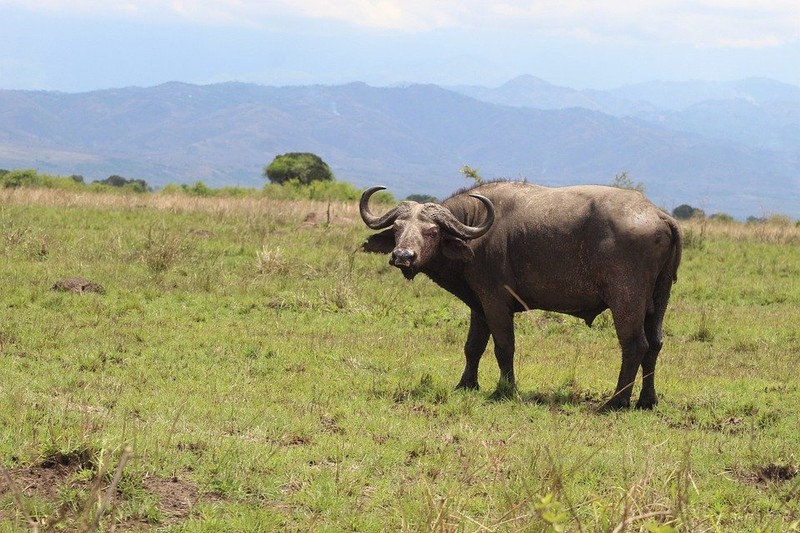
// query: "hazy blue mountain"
[[756, 111], [772, 125], [677, 96], [529, 91], [412, 139]]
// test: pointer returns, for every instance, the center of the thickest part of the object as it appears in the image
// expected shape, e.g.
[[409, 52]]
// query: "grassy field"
[[237, 365]]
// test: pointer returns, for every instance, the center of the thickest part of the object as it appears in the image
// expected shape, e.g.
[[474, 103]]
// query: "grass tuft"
[[162, 249]]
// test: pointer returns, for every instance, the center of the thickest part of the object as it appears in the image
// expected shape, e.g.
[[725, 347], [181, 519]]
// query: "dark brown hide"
[[575, 250]]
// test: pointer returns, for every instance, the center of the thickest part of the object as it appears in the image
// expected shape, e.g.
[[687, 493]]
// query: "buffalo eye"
[[431, 232]]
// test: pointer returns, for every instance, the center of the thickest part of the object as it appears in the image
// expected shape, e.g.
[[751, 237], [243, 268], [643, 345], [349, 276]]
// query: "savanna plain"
[[236, 364]]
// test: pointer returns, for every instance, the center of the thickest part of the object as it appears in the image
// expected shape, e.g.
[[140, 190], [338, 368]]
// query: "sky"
[[83, 45]]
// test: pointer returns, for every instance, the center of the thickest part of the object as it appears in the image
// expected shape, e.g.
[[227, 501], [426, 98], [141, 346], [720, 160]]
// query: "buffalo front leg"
[[477, 339]]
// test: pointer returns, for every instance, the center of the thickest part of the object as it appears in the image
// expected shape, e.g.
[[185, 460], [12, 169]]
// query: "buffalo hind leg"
[[633, 341], [653, 330], [477, 339], [501, 324], [633, 350], [647, 397]]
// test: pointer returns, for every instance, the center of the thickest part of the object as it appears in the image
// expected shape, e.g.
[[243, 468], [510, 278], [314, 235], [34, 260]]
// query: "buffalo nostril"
[[403, 257]]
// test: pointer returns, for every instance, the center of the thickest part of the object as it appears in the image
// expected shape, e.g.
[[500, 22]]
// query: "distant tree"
[[686, 212], [421, 198], [77, 178], [114, 181], [302, 167], [624, 181], [721, 217], [133, 184]]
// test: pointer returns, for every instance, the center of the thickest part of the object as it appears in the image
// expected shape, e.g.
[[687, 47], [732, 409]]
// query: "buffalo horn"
[[372, 221], [465, 232]]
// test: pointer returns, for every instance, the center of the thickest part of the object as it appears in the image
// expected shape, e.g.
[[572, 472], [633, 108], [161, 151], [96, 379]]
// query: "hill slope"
[[412, 139]]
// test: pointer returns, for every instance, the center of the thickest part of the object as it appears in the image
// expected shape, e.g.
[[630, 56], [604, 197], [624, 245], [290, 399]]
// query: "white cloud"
[[708, 23]]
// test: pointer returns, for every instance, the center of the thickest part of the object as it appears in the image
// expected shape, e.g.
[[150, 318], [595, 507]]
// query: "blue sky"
[[81, 45]]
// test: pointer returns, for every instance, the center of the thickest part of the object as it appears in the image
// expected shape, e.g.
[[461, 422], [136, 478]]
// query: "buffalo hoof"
[[615, 404], [505, 390], [647, 403], [467, 386]]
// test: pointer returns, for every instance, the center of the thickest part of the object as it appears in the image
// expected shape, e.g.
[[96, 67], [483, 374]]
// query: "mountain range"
[[724, 147]]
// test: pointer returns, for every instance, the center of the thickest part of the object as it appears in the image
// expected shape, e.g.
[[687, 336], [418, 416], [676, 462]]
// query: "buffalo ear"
[[380, 243], [456, 249]]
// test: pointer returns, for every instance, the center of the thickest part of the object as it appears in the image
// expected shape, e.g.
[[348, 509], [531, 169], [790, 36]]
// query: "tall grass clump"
[[271, 261], [161, 248]]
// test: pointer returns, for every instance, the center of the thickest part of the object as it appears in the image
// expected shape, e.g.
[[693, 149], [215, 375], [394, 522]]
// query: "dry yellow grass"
[[291, 210], [774, 230]]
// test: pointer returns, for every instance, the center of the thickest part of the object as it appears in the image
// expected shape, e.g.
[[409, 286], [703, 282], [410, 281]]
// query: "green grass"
[[259, 364]]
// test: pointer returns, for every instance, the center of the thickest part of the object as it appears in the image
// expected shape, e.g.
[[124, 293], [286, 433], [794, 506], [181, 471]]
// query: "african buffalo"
[[506, 247]]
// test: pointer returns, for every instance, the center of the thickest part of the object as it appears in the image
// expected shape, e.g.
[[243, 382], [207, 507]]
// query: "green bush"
[[22, 178], [171, 188], [198, 189], [722, 217], [30, 178]]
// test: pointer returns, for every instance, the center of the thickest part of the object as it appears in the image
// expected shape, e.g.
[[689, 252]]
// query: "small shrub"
[[693, 240], [198, 189], [703, 333], [271, 261], [722, 218], [471, 173], [161, 250], [624, 181]]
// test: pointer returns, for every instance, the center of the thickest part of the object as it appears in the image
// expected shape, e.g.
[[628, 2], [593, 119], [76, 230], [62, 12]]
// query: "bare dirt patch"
[[776, 472], [77, 284], [175, 497], [769, 473]]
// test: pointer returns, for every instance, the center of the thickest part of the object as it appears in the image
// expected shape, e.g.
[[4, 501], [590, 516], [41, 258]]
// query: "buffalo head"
[[418, 233]]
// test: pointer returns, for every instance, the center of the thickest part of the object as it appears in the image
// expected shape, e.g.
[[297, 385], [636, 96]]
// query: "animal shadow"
[[563, 397]]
